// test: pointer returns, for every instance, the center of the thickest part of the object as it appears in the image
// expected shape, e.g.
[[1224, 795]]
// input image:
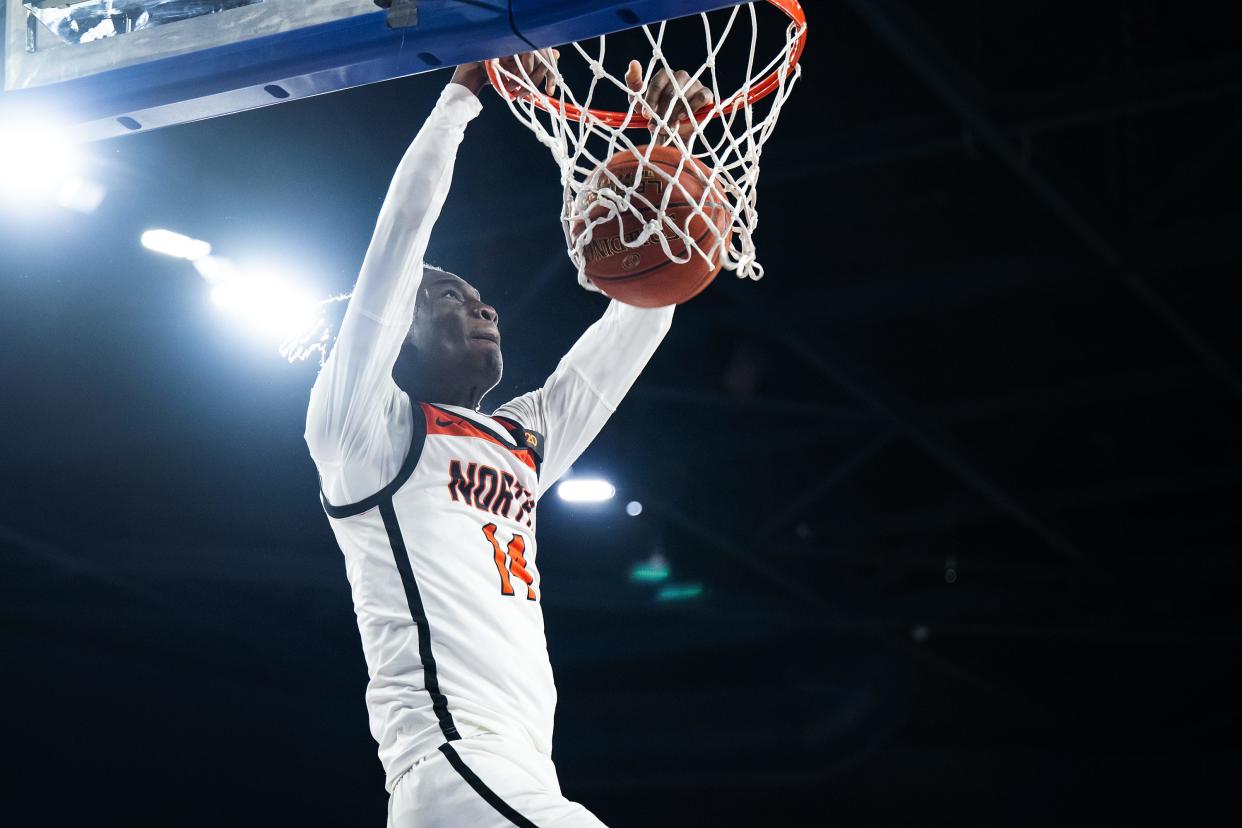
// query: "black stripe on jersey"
[[418, 436], [438, 702], [480, 787]]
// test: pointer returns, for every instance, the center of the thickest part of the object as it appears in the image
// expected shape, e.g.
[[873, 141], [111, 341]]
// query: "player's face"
[[456, 331]]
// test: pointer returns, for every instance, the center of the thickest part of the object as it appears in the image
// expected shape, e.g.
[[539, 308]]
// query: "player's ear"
[[420, 311]]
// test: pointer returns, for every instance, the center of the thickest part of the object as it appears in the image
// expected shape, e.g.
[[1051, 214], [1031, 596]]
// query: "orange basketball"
[[644, 275]]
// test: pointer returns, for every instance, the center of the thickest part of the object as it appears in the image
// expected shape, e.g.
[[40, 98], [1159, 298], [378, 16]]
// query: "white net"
[[726, 141]]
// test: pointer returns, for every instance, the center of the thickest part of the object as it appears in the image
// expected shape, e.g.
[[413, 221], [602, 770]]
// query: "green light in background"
[[679, 592], [651, 571], [646, 574]]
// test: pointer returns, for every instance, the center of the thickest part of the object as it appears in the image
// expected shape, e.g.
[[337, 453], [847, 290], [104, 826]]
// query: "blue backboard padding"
[[329, 57], [552, 22]]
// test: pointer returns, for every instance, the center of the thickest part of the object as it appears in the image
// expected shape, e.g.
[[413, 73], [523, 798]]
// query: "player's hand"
[[673, 96], [538, 66]]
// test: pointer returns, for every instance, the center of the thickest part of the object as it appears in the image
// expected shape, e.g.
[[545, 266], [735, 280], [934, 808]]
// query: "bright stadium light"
[[268, 303], [80, 195], [175, 244], [36, 161], [585, 490], [215, 269], [260, 297]]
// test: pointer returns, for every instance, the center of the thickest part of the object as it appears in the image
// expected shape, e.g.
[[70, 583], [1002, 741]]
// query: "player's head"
[[453, 345]]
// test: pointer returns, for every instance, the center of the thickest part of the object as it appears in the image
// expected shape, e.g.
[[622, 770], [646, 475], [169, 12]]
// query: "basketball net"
[[727, 139]]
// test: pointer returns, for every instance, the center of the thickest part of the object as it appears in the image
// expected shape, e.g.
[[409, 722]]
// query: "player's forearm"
[[388, 283], [590, 382], [613, 352]]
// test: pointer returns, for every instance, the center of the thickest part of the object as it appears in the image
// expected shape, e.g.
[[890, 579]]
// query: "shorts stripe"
[[472, 779]]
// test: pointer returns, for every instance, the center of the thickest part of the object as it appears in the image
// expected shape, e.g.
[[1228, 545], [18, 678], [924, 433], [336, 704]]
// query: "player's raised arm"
[[591, 380], [358, 422], [589, 384], [355, 404]]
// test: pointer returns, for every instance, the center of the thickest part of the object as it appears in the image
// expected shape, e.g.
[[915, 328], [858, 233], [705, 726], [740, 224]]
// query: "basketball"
[[644, 276]]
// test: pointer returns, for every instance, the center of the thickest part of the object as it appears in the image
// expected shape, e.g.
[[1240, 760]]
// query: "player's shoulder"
[[519, 408]]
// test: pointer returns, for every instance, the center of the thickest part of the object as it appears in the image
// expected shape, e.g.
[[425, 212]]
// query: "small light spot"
[[652, 570], [679, 592], [585, 490], [633, 508], [919, 632]]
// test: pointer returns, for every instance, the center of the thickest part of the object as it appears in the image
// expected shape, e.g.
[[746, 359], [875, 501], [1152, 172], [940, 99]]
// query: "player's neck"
[[463, 395]]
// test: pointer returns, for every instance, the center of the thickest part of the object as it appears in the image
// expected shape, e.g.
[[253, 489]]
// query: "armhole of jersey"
[[418, 435]]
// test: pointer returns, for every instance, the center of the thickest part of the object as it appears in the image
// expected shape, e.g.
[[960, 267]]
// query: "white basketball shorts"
[[484, 782]]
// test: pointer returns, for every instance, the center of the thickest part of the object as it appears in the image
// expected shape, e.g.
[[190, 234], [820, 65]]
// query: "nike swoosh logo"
[[443, 423]]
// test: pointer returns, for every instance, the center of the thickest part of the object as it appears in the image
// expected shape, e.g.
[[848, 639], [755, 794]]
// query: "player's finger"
[[659, 99], [548, 65], [539, 71], [533, 67], [700, 97], [511, 65], [657, 92], [671, 103], [678, 88], [634, 76]]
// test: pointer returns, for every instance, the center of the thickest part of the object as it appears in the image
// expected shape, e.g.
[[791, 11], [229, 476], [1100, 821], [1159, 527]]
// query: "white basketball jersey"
[[442, 565], [441, 559]]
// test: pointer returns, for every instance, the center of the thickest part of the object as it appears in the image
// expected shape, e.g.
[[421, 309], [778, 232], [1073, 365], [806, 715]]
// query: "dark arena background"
[[939, 522]]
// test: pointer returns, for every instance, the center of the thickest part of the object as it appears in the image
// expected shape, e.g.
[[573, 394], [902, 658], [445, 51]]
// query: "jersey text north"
[[490, 490]]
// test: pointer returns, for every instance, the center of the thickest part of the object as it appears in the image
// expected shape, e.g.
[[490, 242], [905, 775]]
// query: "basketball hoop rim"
[[618, 120]]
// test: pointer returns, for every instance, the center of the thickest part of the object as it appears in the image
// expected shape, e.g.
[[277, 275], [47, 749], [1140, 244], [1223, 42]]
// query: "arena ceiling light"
[[215, 269], [175, 245], [585, 490], [80, 195], [39, 168], [269, 303], [34, 160]]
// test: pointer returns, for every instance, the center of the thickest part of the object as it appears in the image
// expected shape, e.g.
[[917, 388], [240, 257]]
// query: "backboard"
[[111, 67]]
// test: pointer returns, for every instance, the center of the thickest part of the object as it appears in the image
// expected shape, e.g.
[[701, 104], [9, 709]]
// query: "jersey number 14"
[[516, 554]]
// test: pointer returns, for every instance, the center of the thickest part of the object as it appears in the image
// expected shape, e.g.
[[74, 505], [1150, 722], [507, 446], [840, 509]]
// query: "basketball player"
[[433, 502]]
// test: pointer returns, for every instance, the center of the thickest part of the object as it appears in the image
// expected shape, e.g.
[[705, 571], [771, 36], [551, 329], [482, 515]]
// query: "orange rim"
[[766, 86]]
